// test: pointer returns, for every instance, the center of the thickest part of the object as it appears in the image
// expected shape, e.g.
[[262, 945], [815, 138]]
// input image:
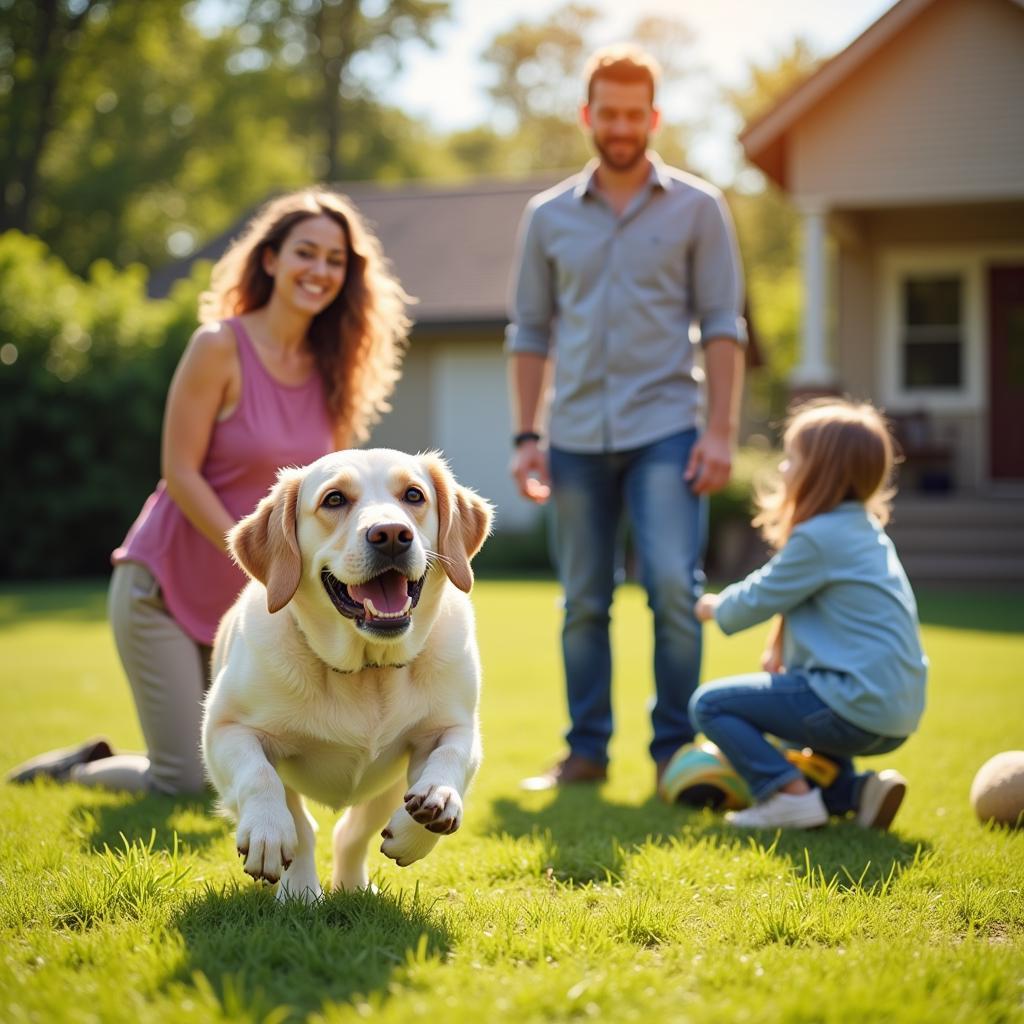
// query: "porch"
[[961, 539]]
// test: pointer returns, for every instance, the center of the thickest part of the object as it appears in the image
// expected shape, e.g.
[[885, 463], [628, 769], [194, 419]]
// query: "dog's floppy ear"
[[463, 522], [265, 543]]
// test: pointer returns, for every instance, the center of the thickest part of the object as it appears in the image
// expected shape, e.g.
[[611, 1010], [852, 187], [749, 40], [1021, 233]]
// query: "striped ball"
[[699, 775]]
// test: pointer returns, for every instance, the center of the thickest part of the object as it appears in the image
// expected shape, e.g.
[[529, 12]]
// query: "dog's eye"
[[414, 496], [333, 499]]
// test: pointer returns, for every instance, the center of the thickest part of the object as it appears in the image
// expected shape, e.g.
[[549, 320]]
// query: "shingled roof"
[[451, 246]]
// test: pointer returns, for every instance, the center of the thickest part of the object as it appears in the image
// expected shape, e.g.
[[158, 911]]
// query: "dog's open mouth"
[[383, 604]]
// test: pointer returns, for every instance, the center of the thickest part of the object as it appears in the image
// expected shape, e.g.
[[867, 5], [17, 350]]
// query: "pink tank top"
[[273, 425]]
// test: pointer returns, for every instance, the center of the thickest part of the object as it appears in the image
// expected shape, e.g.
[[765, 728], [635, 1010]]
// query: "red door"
[[1006, 372]]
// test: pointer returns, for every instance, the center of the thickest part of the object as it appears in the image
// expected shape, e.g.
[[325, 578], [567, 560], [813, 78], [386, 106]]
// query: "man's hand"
[[529, 469], [705, 607], [710, 464]]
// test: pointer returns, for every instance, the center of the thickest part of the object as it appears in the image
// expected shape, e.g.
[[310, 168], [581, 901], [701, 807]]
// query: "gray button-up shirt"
[[616, 296]]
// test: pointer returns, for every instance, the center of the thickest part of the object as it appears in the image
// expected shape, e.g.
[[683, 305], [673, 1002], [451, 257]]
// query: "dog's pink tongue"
[[388, 592]]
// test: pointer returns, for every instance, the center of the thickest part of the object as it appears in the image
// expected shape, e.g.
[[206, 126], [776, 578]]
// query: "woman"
[[300, 344]]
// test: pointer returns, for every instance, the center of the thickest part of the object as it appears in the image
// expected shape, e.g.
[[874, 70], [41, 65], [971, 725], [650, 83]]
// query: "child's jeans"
[[735, 713]]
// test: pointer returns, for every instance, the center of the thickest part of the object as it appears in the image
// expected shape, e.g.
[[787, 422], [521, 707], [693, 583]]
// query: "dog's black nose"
[[390, 538]]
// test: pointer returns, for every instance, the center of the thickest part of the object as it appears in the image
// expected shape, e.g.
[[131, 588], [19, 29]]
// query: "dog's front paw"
[[266, 839], [406, 841], [438, 808], [299, 885]]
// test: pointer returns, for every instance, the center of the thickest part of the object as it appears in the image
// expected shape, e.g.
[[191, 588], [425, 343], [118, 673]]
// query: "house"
[[904, 154], [452, 247]]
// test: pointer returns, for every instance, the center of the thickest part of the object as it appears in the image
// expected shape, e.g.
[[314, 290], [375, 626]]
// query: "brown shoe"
[[568, 772]]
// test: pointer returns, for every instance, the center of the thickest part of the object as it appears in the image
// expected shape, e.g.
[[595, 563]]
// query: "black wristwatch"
[[523, 436]]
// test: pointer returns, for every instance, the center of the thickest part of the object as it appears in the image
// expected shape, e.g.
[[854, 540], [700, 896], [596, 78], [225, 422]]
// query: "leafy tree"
[[162, 146], [538, 64], [669, 41], [768, 83], [768, 229], [537, 88], [36, 41], [149, 134], [326, 43]]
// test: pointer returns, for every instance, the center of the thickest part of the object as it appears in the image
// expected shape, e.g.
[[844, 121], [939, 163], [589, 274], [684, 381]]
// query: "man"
[[614, 266]]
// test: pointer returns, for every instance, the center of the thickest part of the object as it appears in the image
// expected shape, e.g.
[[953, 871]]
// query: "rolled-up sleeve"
[[717, 275], [532, 305], [795, 573]]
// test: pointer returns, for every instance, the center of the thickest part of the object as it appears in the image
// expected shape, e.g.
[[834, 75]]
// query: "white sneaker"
[[783, 810], [880, 799]]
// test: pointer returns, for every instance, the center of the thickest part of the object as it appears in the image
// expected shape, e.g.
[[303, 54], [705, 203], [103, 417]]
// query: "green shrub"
[[84, 369]]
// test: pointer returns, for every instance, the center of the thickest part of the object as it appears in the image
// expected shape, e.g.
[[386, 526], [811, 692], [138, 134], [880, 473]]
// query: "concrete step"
[[980, 540], [956, 567], [960, 539], [955, 511]]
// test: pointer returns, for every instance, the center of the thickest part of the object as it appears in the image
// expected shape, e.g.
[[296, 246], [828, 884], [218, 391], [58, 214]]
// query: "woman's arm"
[[205, 383]]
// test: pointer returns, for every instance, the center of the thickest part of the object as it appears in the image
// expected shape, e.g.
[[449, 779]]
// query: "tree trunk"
[[335, 27], [35, 103]]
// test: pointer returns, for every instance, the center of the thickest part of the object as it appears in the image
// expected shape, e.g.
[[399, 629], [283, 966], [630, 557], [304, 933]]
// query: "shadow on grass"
[[589, 839], [259, 955], [142, 816], [856, 857], [71, 601]]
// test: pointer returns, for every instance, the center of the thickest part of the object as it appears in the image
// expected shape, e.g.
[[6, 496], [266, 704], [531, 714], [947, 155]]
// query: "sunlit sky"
[[447, 86]]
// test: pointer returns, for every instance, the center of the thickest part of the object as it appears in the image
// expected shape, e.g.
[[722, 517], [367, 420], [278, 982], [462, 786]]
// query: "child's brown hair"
[[843, 452]]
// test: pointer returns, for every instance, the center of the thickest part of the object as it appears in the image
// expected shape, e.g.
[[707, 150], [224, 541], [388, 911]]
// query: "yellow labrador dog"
[[347, 670]]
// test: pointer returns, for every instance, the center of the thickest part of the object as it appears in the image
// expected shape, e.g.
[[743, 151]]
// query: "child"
[[844, 671]]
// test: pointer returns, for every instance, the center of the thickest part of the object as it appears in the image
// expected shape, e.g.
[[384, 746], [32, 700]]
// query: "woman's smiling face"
[[309, 270]]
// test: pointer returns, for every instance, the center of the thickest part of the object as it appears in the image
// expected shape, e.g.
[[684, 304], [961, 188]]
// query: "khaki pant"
[[169, 674]]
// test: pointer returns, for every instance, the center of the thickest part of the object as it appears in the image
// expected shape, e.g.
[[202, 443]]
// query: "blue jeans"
[[735, 713], [589, 495]]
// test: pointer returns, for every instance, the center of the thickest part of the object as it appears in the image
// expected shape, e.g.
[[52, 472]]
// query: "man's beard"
[[622, 163]]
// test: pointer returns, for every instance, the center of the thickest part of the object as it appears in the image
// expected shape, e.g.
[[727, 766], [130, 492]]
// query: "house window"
[[933, 333]]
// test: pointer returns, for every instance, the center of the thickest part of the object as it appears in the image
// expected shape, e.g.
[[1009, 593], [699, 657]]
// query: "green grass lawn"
[[598, 904]]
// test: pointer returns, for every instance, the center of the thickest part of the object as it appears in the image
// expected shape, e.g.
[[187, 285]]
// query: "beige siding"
[[453, 396], [855, 322], [937, 113], [473, 426], [408, 426]]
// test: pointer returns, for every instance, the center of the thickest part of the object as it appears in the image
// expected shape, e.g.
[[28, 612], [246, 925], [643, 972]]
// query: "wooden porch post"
[[813, 373]]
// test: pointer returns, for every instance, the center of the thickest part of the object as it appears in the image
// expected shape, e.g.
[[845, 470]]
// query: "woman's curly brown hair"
[[359, 340]]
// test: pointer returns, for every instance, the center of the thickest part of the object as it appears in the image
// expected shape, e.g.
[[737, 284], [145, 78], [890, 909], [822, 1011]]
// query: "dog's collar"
[[369, 664], [346, 671]]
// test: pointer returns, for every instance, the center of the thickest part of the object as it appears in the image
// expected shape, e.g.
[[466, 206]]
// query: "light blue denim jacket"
[[851, 618]]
